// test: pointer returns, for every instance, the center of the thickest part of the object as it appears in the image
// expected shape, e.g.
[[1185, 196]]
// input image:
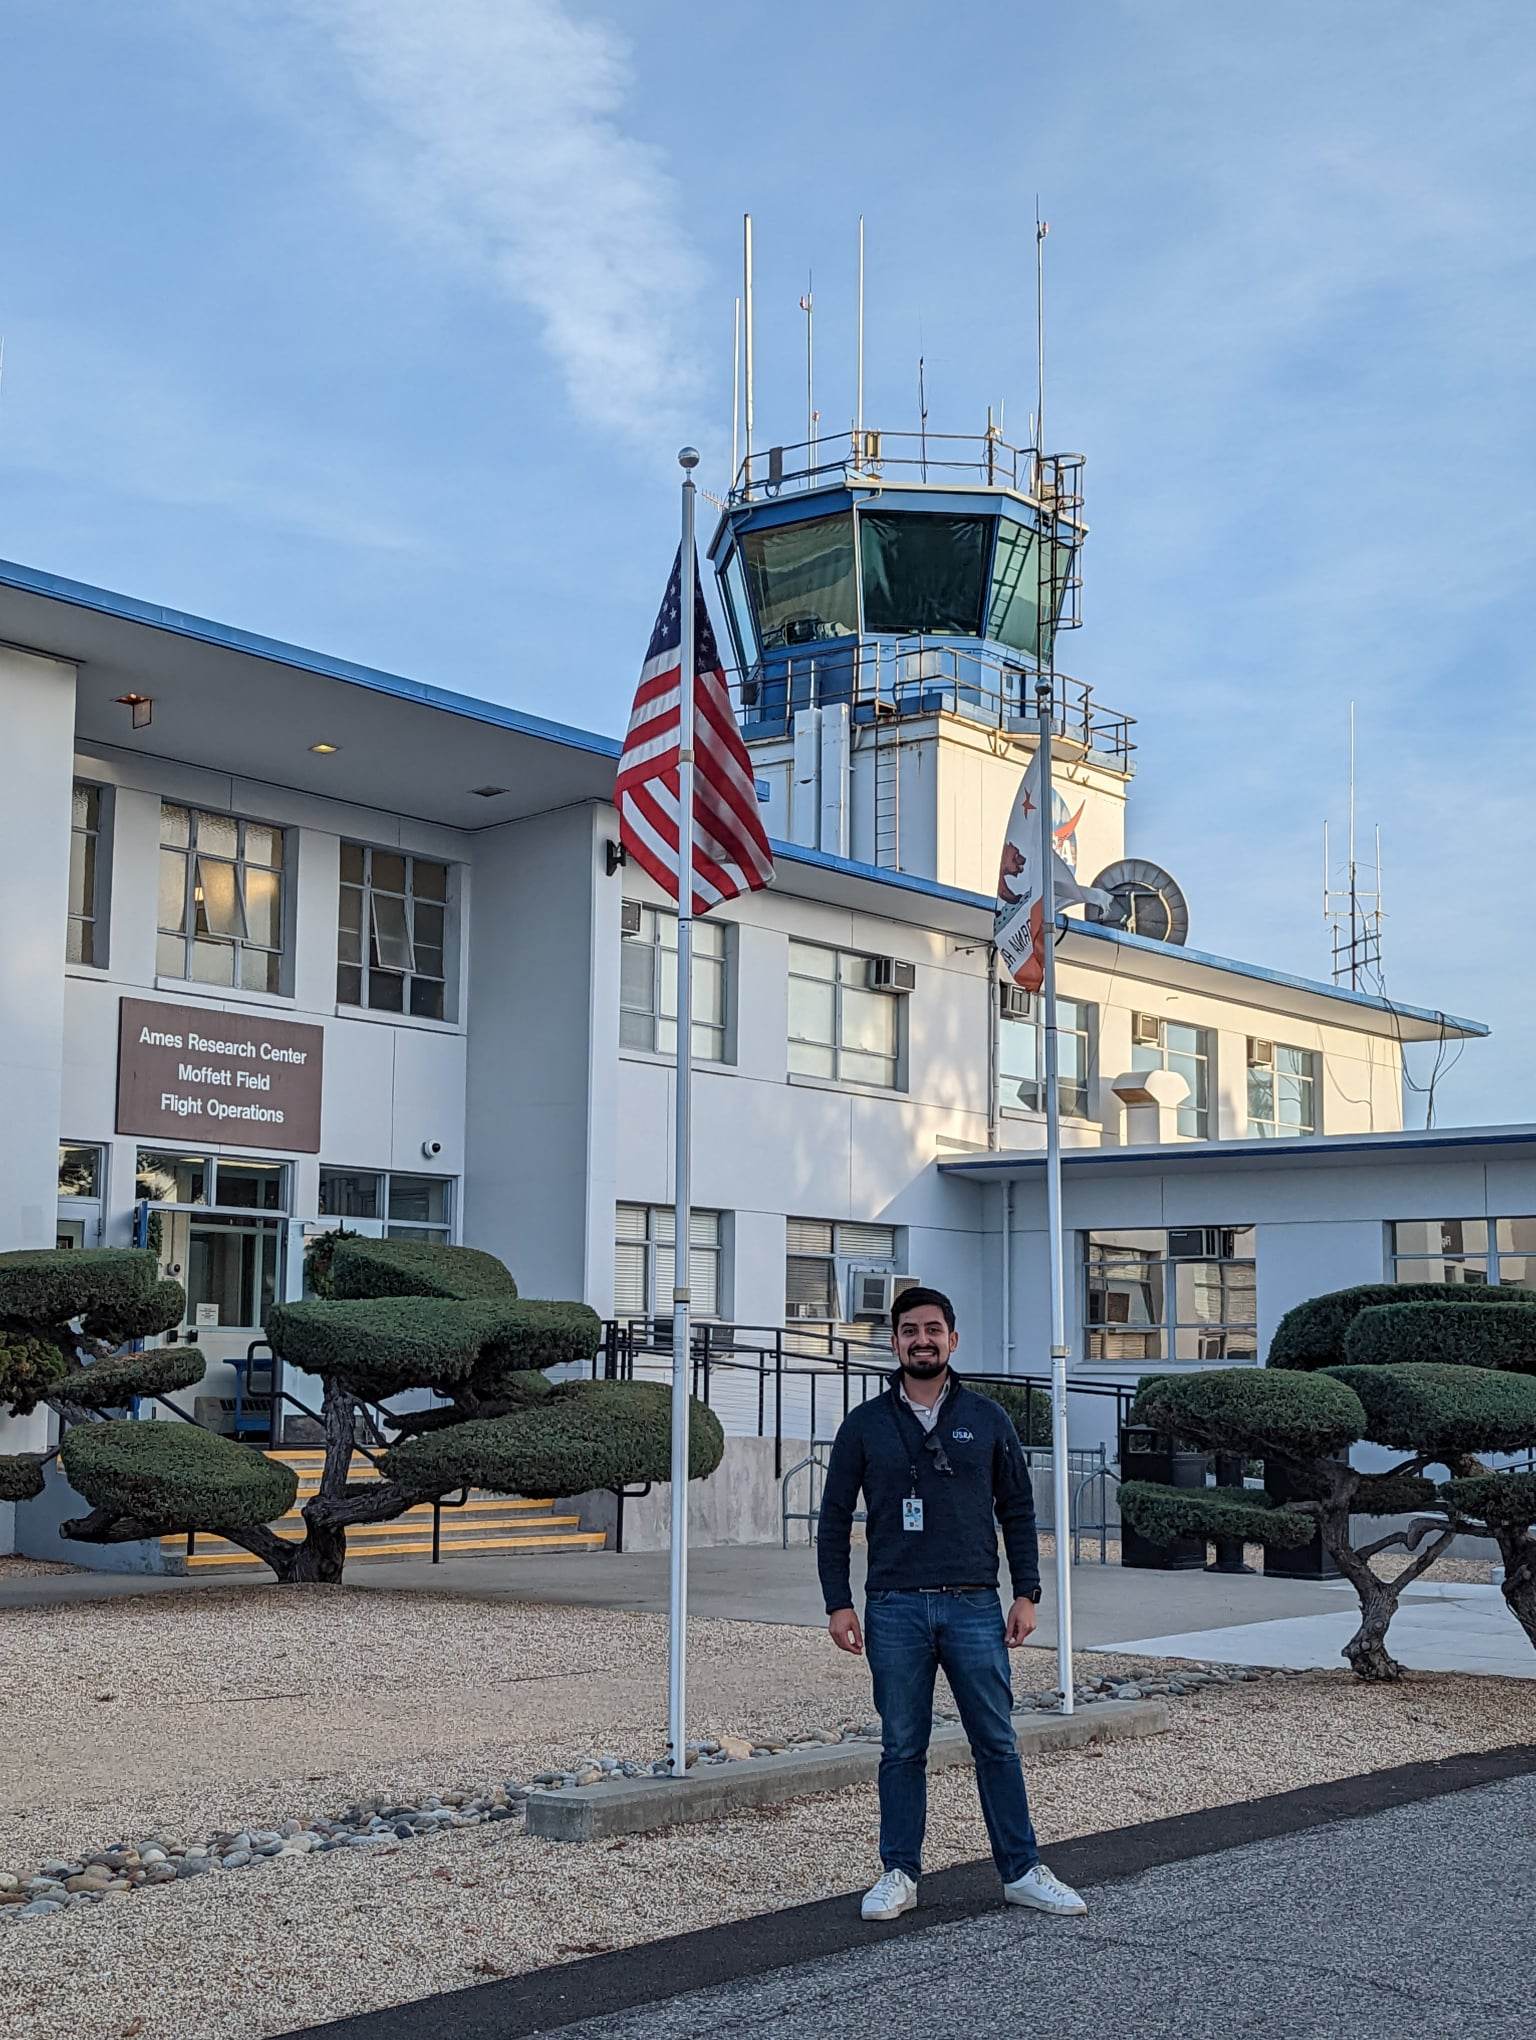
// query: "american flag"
[[730, 846]]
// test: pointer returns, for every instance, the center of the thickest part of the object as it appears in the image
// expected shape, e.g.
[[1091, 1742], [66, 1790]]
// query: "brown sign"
[[228, 1079]]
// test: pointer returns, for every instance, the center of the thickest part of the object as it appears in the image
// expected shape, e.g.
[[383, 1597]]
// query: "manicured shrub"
[[1444, 1411], [52, 1285], [110, 1384], [1252, 1410], [1030, 1408], [1501, 1500], [363, 1268], [30, 1368], [21, 1476], [586, 1434], [1312, 1334], [1163, 1514], [1395, 1494], [172, 1476], [385, 1344], [1398, 1334]]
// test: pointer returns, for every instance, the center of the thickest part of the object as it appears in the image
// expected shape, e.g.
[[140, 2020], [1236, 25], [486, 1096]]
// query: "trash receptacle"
[[1150, 1455], [1303, 1561]]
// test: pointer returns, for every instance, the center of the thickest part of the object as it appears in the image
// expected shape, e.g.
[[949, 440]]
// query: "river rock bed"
[[60, 1884]]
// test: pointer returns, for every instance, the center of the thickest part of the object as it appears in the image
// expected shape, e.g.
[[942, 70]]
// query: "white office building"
[[293, 942]]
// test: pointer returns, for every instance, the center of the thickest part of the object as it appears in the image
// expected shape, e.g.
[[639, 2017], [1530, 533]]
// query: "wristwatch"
[[1035, 1596]]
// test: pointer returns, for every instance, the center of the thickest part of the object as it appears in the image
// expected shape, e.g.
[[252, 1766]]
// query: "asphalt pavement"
[[1393, 1906]]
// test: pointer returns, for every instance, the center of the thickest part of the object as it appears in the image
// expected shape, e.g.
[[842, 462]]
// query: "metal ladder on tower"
[[887, 794]]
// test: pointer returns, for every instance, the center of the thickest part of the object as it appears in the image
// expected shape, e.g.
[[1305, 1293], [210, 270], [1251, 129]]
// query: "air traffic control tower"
[[892, 601]]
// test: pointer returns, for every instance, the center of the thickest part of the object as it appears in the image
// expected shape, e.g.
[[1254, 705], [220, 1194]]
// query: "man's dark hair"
[[914, 1299]]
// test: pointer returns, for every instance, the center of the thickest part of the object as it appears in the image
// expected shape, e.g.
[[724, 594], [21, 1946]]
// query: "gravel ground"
[[32, 1568], [396, 1693]]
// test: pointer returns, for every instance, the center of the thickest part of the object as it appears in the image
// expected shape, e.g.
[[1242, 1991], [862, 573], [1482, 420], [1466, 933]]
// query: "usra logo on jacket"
[[964, 1437]]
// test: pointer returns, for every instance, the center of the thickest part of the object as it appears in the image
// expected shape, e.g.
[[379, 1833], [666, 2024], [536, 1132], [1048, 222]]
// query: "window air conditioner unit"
[[629, 917], [890, 974], [1146, 1030], [869, 1293], [1261, 1054], [1014, 1003], [1202, 1243]]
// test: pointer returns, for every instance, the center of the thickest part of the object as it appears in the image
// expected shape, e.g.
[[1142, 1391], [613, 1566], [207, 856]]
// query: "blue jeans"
[[907, 1637]]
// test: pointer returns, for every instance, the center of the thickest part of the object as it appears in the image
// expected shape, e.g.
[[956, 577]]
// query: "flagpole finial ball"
[[688, 458]]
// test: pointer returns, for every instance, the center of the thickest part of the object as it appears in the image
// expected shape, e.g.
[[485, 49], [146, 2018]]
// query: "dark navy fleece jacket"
[[876, 1450]]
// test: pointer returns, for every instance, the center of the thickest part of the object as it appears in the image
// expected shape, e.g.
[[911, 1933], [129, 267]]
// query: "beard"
[[924, 1366]]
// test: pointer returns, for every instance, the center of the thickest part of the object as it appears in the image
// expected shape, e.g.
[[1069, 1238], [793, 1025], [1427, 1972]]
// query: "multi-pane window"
[[222, 899], [838, 1027], [1282, 1090], [1019, 1049], [82, 1175], [411, 1207], [1187, 1052], [648, 985], [644, 1260], [1499, 1250], [86, 941], [818, 1253], [392, 933], [1187, 1293]]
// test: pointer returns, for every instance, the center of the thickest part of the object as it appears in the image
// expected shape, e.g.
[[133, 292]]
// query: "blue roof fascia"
[[54, 587], [1196, 1151], [1431, 1016]]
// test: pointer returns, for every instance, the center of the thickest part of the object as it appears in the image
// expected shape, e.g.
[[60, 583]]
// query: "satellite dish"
[[1144, 900]]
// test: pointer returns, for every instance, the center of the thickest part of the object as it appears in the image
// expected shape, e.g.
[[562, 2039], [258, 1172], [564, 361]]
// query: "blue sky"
[[377, 326]]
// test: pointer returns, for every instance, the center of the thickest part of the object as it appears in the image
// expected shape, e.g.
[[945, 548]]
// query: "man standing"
[[940, 1468]]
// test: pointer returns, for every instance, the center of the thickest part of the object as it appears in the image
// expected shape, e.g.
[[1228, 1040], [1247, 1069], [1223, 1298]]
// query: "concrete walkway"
[[1235, 1619]]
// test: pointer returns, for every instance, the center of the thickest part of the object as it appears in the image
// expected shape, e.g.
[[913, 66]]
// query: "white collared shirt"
[[927, 1414]]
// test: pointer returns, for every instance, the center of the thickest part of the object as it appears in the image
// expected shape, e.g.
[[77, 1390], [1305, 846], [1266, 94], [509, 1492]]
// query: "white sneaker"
[[890, 1898], [1045, 1892]]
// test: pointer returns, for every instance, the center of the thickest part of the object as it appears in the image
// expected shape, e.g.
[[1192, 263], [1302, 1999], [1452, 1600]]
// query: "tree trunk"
[[1367, 1650], [322, 1557], [1517, 1548]]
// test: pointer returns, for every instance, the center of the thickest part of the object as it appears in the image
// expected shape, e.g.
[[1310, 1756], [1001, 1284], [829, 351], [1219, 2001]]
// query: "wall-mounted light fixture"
[[617, 856], [143, 707]]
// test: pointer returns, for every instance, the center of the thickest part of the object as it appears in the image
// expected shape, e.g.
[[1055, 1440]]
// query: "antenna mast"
[[1042, 228], [808, 306], [735, 398], [858, 406], [1353, 909], [746, 293]]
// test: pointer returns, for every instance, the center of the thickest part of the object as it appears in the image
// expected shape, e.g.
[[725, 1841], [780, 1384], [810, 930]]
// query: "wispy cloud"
[[89, 412], [493, 132]]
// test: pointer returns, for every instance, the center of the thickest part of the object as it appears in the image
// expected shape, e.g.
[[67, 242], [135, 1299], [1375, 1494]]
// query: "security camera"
[[431, 1147]]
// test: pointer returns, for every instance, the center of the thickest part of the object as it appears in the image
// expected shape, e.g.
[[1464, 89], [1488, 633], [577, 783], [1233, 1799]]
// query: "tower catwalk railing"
[[1051, 480], [882, 679]]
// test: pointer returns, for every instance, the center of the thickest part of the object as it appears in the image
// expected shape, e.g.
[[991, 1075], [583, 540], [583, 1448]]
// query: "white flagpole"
[[1045, 708], [677, 1597]]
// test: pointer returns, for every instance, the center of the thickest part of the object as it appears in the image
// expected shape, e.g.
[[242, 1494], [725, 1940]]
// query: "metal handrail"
[[882, 679], [871, 453]]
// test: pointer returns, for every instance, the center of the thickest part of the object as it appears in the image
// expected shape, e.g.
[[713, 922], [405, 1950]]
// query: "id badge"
[[912, 1513]]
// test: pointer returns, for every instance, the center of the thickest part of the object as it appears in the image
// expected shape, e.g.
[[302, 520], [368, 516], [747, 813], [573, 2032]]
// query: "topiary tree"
[[1030, 1408], [1394, 1366], [397, 1316]]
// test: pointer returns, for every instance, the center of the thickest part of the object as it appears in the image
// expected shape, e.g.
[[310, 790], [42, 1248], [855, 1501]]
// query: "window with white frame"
[[818, 1255], [1021, 1087], [1159, 1044], [1282, 1090], [1187, 1293], [222, 914], [392, 933], [82, 1183], [644, 1260], [648, 984], [86, 941], [409, 1207], [1454, 1250], [838, 1027]]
